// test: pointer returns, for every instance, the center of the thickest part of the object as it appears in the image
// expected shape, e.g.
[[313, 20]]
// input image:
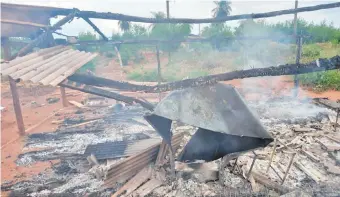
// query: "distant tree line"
[[279, 32]]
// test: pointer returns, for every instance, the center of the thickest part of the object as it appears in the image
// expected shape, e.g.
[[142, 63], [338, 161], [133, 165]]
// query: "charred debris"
[[200, 141]]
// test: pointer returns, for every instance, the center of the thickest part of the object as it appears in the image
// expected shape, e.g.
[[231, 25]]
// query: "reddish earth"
[[12, 144]]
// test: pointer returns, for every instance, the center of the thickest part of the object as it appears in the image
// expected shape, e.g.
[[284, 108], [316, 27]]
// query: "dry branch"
[[288, 69], [116, 16], [108, 94]]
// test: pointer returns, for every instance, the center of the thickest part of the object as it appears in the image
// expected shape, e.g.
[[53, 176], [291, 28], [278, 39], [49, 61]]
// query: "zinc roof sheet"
[[48, 66]]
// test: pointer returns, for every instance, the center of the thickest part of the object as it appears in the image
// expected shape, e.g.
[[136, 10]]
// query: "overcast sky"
[[180, 9]]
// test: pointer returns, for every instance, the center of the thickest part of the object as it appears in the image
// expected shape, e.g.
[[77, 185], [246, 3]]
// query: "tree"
[[157, 15], [222, 9], [86, 36], [124, 25]]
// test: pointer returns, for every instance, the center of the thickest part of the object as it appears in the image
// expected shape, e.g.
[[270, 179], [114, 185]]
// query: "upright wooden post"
[[16, 105], [159, 72], [63, 96], [168, 16], [297, 41], [297, 61], [15, 96]]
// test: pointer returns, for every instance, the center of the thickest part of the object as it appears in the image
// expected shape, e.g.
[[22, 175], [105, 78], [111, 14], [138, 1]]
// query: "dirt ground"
[[37, 110]]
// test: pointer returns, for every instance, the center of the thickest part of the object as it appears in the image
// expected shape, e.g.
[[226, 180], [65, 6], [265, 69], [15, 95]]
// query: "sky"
[[178, 9]]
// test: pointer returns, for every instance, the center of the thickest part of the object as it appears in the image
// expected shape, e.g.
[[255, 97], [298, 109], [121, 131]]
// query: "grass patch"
[[168, 75], [320, 81]]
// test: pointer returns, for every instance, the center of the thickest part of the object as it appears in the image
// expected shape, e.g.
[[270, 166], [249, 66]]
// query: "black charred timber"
[[116, 16], [42, 36], [173, 40], [288, 69], [95, 28], [107, 94]]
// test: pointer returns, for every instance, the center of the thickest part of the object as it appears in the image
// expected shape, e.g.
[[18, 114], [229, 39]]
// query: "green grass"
[[320, 81], [169, 74]]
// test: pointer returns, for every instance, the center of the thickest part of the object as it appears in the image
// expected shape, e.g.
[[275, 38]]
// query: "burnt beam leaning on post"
[[95, 28], [107, 94], [42, 36], [6, 51], [287, 69]]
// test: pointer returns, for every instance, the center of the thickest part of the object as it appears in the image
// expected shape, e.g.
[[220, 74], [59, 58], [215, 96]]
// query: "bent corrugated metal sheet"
[[226, 124]]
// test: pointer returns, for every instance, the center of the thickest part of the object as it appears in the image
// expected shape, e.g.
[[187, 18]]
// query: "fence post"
[[297, 61], [159, 72]]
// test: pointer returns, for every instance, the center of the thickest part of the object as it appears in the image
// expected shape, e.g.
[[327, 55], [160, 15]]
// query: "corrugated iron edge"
[[125, 169]]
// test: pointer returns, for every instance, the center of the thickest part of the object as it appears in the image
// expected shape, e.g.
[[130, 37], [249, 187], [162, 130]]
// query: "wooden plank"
[[81, 124], [75, 103], [269, 183], [140, 178], [328, 147], [109, 94], [63, 96], [161, 153], [310, 155], [147, 188], [16, 106], [333, 138], [125, 169], [307, 171]]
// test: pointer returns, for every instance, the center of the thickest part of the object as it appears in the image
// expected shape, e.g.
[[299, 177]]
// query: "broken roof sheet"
[[48, 66], [117, 149], [24, 20], [218, 108]]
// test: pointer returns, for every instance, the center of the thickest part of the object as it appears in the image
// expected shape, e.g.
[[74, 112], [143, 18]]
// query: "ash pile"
[[295, 153]]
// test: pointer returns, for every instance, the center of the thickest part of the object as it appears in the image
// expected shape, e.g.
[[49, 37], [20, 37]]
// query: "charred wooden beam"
[[199, 39], [107, 94], [287, 69], [116, 16], [95, 28], [42, 36]]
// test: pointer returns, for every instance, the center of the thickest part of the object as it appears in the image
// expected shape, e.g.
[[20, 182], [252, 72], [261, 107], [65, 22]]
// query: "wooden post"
[[272, 155], [336, 120], [297, 61], [63, 96], [296, 80], [288, 168], [119, 57], [159, 72], [168, 16], [15, 96], [16, 106]]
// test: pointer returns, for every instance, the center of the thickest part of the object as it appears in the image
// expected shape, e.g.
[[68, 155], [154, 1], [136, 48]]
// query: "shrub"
[[322, 80], [312, 50]]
